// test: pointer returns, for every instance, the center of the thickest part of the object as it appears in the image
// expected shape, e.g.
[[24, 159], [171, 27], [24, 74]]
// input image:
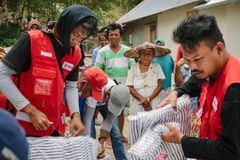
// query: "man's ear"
[[220, 48]]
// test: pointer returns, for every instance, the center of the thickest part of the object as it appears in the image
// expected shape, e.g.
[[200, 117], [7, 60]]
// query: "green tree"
[[16, 12]]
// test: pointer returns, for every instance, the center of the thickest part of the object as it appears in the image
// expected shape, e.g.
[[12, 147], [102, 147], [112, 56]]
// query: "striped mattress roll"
[[150, 146], [146, 127], [139, 123], [62, 148]]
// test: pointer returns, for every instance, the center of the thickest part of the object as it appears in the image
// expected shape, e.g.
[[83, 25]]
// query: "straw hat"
[[159, 50]]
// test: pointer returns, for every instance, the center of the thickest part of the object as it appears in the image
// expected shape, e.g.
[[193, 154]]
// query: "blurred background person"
[[34, 25], [167, 64], [103, 41]]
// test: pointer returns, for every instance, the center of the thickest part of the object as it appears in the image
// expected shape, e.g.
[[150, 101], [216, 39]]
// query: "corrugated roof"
[[213, 3], [150, 7]]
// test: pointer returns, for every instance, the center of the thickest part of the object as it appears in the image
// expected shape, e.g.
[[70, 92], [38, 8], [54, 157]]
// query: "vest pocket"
[[43, 81]]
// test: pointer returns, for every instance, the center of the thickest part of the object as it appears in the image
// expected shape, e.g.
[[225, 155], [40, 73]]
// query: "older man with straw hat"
[[145, 77]]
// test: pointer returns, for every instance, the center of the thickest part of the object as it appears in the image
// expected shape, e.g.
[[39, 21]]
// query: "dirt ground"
[[109, 152]]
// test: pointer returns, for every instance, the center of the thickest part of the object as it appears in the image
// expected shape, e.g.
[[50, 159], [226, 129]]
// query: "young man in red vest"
[[217, 77], [46, 63]]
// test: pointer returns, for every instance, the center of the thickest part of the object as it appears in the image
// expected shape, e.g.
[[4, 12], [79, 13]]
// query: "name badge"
[[67, 66], [46, 54]]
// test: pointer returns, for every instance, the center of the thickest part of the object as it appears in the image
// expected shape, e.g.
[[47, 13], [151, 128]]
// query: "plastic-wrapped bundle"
[[62, 148], [150, 145], [146, 127]]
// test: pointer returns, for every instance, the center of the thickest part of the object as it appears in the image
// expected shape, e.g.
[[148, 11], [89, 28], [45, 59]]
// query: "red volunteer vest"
[[43, 84], [211, 99]]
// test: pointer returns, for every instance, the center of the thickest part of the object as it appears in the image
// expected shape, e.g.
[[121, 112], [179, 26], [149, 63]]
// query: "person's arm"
[[94, 55], [135, 94], [160, 78], [228, 146], [104, 132], [156, 91], [72, 91], [191, 87], [72, 96], [9, 89], [107, 123], [89, 111], [72, 100], [177, 74]]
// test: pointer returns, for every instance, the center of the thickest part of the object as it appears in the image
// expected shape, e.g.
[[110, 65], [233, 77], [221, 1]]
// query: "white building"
[[157, 19]]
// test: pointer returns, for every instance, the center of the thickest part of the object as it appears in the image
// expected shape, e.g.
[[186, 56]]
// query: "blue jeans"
[[116, 138], [81, 106]]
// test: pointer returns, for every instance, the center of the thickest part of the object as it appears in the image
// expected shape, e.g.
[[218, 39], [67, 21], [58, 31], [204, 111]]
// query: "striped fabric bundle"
[[62, 148], [150, 145], [146, 129]]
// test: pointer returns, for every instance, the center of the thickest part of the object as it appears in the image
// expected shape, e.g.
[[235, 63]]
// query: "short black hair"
[[191, 31], [90, 24], [114, 26]]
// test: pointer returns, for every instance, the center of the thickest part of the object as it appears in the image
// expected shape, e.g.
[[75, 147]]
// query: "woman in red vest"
[[217, 80], [46, 63]]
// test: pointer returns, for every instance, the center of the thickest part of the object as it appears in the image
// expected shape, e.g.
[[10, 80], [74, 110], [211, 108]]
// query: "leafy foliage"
[[9, 33], [18, 11]]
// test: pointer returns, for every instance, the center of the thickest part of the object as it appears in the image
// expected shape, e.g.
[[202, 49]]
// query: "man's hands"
[[196, 124], [76, 126], [180, 62], [101, 153], [173, 136], [170, 99], [38, 118], [103, 136]]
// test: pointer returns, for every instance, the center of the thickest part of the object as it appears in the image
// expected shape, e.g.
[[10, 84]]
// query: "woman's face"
[[34, 27], [146, 56], [78, 34], [103, 41]]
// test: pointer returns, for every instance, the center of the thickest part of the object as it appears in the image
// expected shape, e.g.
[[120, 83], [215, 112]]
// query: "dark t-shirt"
[[228, 145], [19, 57]]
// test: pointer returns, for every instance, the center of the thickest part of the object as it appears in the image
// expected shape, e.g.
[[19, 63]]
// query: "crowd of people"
[[43, 79]]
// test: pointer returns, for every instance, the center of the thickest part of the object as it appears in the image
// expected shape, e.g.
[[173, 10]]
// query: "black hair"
[[102, 34], [191, 31], [114, 26], [51, 24], [90, 24], [72, 17]]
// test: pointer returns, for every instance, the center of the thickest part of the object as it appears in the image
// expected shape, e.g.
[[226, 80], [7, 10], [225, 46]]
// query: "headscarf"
[[36, 22], [162, 43], [69, 19]]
